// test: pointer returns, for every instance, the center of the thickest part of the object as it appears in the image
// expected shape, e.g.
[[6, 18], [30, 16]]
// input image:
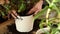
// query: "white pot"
[[43, 30], [25, 24]]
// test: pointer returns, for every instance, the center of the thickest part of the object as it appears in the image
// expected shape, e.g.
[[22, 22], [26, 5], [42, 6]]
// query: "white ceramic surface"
[[42, 30], [26, 24]]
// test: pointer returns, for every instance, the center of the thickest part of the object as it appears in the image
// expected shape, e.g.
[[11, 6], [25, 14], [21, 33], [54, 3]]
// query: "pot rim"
[[26, 15]]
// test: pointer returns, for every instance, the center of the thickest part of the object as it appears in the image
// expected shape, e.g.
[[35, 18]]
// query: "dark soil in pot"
[[24, 13]]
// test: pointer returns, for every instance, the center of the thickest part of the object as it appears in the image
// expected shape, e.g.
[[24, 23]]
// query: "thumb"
[[32, 10], [38, 11]]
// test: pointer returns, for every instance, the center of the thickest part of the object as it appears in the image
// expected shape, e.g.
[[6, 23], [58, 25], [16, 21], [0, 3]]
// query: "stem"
[[58, 11], [56, 8], [47, 15], [41, 12], [48, 11], [48, 1]]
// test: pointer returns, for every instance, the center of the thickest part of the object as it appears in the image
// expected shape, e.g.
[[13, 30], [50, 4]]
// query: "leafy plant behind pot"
[[51, 6], [41, 12], [22, 7], [2, 11]]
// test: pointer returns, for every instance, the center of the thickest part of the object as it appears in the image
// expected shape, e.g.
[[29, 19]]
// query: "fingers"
[[13, 15], [32, 10], [36, 8], [14, 12], [2, 2], [7, 1], [36, 12]]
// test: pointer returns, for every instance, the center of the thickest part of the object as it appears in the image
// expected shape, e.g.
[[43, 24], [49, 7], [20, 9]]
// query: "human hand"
[[36, 8], [13, 14], [2, 2]]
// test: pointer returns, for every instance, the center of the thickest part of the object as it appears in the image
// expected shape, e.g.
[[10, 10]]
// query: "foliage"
[[53, 5]]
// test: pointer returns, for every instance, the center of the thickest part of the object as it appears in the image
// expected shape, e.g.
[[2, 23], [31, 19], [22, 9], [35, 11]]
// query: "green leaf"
[[54, 30], [22, 7], [41, 12], [56, 1], [48, 1], [7, 7], [59, 26], [40, 25], [47, 33], [2, 13]]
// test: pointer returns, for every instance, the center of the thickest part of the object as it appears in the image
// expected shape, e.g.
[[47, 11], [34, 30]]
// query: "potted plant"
[[24, 23]]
